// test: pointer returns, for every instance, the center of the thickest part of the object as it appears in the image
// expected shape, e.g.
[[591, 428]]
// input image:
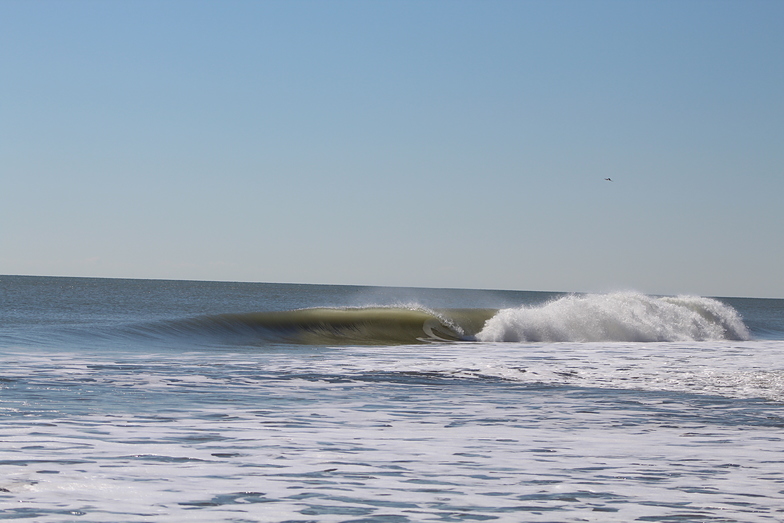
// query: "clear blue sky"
[[407, 143]]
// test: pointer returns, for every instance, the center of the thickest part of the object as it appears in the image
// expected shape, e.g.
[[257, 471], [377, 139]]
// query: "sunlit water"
[[114, 407]]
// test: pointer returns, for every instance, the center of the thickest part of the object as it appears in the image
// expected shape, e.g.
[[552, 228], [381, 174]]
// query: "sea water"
[[142, 400]]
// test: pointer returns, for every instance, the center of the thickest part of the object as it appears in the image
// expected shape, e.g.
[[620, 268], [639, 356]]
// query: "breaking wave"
[[315, 326], [629, 317], [626, 316]]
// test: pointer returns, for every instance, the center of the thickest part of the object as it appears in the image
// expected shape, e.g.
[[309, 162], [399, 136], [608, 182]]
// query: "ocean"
[[166, 401]]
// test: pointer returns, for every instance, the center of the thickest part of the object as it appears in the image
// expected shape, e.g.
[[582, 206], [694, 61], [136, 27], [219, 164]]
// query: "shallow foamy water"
[[436, 432]]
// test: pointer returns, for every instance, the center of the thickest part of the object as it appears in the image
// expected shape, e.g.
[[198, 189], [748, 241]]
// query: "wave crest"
[[624, 316]]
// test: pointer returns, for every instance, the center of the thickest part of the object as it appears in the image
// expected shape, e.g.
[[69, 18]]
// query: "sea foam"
[[622, 316]]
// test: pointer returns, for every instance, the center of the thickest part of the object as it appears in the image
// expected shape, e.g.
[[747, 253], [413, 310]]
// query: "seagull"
[[608, 179]]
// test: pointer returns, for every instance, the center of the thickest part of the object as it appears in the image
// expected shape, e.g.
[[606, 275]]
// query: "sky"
[[417, 143]]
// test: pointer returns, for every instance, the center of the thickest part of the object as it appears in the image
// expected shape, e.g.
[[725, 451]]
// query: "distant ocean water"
[[146, 400]]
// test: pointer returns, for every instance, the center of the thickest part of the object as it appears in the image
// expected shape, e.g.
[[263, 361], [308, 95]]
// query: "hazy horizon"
[[391, 287]]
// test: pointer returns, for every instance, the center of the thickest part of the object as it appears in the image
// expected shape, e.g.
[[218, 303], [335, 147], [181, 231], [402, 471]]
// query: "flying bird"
[[608, 179]]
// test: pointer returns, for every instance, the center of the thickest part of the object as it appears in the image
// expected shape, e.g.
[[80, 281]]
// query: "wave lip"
[[622, 316]]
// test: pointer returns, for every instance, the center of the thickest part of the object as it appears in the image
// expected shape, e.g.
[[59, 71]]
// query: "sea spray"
[[623, 316]]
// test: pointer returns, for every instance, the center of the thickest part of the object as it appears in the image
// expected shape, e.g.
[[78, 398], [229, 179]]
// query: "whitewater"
[[142, 400]]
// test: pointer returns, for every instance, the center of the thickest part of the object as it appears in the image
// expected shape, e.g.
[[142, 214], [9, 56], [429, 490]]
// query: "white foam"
[[625, 316], [333, 433]]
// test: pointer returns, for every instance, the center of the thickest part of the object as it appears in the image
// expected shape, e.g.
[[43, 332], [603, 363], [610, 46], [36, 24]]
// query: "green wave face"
[[373, 325]]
